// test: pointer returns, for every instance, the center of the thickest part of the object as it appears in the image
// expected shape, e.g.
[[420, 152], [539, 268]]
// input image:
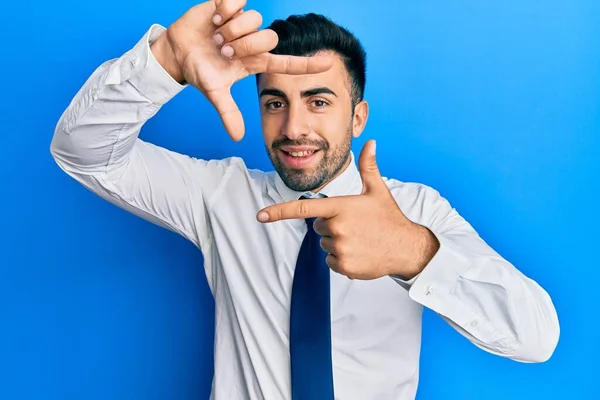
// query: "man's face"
[[308, 124]]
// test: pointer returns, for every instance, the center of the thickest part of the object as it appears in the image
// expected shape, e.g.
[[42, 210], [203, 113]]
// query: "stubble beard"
[[333, 159]]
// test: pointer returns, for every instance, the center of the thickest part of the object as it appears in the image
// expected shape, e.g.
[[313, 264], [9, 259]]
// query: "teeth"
[[300, 153]]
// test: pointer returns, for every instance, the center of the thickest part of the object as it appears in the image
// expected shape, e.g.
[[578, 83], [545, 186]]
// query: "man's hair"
[[306, 35]]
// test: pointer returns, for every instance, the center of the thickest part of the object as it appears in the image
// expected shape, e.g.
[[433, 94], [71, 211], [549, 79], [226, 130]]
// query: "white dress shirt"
[[376, 324]]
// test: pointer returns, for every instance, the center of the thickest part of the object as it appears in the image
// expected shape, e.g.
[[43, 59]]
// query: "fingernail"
[[227, 51], [373, 147], [263, 216], [218, 38], [217, 19]]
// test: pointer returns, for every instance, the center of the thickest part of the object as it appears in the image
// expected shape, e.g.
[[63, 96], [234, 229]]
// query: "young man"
[[315, 298]]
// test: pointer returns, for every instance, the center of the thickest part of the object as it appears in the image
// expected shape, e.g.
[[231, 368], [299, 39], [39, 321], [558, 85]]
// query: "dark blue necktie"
[[310, 323]]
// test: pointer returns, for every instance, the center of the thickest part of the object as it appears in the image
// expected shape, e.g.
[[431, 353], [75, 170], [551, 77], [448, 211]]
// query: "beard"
[[332, 161]]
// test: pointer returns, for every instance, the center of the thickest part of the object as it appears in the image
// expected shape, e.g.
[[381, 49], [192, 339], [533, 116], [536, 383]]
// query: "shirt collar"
[[346, 183]]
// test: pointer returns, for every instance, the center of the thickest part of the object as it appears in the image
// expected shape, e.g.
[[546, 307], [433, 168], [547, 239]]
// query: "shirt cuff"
[[146, 74], [434, 286], [406, 284]]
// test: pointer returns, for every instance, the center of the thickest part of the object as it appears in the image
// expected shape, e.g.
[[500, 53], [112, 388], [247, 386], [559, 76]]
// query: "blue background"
[[494, 103]]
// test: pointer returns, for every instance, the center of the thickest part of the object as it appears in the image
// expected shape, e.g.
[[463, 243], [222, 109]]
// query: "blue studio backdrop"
[[496, 104]]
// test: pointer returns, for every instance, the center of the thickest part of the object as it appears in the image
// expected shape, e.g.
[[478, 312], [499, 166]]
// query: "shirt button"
[[134, 59], [430, 289], [473, 324], [94, 93]]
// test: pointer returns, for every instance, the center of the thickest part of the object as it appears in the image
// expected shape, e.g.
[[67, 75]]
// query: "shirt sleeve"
[[96, 142], [480, 294]]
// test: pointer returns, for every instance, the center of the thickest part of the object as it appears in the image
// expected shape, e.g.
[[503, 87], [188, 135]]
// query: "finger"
[[244, 24], [322, 227], [262, 61], [300, 209], [226, 9], [327, 245], [295, 65], [255, 43], [229, 112], [333, 262], [369, 171]]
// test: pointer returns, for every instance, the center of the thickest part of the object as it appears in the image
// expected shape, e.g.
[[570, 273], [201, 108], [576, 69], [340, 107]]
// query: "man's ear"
[[361, 114]]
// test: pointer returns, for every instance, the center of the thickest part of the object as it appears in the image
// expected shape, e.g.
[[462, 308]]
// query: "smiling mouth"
[[298, 159], [300, 154]]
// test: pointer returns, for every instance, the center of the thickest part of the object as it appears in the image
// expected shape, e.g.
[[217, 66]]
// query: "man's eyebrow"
[[305, 93], [318, 90], [272, 92]]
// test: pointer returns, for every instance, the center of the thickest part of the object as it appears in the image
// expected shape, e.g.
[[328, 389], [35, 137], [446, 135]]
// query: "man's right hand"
[[189, 52]]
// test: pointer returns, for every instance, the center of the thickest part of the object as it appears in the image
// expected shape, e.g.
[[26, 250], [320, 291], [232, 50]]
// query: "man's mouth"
[[298, 158], [299, 154]]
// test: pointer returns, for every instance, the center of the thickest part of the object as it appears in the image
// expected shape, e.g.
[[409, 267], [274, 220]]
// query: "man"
[[319, 270]]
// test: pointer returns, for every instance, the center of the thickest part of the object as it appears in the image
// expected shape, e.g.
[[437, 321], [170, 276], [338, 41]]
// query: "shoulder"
[[411, 191], [234, 172], [229, 165], [419, 202]]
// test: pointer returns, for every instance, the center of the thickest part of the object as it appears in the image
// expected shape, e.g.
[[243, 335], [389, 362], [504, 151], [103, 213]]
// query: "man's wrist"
[[163, 53], [425, 245]]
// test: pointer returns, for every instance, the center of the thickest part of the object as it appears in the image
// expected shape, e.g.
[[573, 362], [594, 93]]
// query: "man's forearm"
[[488, 299], [478, 292], [98, 130]]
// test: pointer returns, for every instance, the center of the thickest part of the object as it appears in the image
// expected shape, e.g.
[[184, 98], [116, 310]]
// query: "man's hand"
[[367, 236], [217, 43]]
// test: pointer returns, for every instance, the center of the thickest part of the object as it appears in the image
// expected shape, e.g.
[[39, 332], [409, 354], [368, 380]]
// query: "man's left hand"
[[367, 236]]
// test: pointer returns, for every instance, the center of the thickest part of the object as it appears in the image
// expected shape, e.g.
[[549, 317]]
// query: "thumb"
[[369, 171], [231, 115]]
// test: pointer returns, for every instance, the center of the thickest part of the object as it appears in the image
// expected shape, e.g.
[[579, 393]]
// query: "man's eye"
[[319, 103], [274, 105]]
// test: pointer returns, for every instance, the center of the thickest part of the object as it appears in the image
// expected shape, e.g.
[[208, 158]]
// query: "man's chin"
[[299, 180]]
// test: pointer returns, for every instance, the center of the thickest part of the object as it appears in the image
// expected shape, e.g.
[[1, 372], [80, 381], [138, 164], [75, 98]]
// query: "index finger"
[[297, 65], [299, 209]]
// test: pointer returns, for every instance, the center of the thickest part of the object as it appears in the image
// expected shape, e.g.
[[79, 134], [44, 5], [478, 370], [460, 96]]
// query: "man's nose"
[[296, 124]]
